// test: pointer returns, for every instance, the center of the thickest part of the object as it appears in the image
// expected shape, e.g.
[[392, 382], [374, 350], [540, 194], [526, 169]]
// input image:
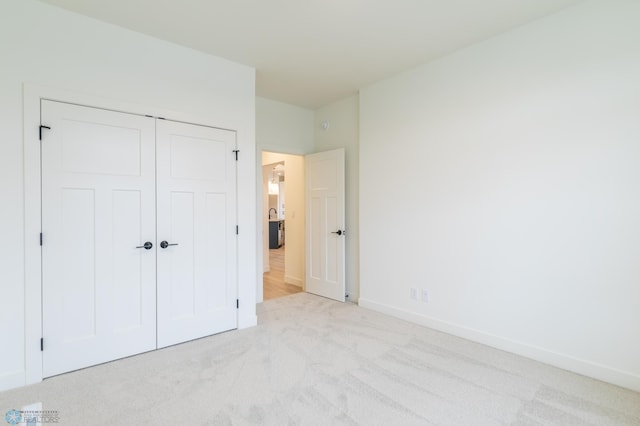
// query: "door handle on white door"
[[165, 244], [339, 232], [146, 246]]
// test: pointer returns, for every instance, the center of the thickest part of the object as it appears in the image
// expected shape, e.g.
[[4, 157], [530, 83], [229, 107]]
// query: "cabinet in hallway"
[[276, 233]]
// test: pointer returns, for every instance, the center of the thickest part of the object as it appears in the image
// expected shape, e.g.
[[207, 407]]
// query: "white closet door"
[[98, 205], [196, 213]]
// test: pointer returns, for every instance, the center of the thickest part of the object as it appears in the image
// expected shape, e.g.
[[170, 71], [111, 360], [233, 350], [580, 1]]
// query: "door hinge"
[[236, 151], [41, 238], [41, 344], [237, 230], [43, 127], [237, 303]]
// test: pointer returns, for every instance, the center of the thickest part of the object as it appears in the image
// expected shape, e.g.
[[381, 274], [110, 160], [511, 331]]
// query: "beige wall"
[[294, 260]]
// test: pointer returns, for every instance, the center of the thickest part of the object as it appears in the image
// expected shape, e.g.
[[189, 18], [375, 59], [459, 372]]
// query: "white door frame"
[[32, 96], [259, 214]]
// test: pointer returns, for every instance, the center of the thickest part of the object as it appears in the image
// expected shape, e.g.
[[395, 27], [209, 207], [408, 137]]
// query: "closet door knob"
[[146, 246], [165, 244]]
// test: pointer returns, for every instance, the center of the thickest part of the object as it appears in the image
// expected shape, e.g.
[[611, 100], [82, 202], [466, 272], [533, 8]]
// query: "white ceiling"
[[312, 52]]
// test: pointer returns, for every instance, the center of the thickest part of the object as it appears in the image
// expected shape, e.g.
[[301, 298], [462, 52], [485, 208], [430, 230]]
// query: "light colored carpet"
[[312, 361]]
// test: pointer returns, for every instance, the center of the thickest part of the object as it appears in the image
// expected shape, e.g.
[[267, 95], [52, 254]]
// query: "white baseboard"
[[294, 281], [12, 380], [353, 298], [248, 322], [587, 368]]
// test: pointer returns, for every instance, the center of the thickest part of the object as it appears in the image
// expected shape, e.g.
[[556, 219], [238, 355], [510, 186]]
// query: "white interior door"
[[98, 205], [324, 191], [196, 181]]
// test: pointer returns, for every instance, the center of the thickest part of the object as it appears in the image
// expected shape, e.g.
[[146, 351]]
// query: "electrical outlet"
[[425, 295], [414, 293]]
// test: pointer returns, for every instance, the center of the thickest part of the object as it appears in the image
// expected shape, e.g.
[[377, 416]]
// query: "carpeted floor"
[[312, 361]]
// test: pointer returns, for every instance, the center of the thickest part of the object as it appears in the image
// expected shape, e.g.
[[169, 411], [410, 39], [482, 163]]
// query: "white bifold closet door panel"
[[196, 213], [98, 205]]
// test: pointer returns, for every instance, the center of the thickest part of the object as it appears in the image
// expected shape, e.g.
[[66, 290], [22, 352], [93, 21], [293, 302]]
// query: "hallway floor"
[[273, 281]]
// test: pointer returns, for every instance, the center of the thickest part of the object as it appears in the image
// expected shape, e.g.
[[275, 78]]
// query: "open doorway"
[[283, 224]]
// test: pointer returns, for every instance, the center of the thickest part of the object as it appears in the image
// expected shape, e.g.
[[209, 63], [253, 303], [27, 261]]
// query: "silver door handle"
[[165, 244], [146, 246]]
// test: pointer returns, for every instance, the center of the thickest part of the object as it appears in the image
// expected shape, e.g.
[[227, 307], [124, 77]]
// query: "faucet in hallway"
[[274, 211]]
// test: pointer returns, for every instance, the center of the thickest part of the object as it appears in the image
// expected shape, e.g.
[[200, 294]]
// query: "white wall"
[[45, 46], [283, 128], [505, 179], [342, 118]]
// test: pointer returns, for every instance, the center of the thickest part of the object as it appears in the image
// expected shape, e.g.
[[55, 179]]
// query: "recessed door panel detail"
[[196, 158], [78, 276], [99, 148], [315, 242], [322, 175], [127, 259], [215, 273], [332, 267], [181, 279]]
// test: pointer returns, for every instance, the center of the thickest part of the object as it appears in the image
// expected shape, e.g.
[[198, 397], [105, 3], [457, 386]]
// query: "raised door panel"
[[315, 239], [217, 267], [78, 264], [180, 260], [334, 242], [128, 265]]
